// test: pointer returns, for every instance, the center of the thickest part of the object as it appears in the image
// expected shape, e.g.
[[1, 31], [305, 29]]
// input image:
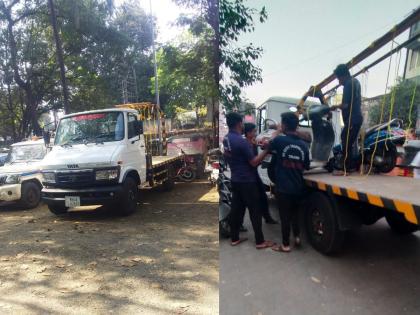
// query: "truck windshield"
[[95, 127], [25, 153]]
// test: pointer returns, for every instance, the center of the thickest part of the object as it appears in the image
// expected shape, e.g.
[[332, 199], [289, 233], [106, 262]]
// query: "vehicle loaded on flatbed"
[[103, 157]]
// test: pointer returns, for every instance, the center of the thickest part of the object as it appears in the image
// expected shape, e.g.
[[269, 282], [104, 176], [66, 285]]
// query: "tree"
[[60, 59], [238, 69], [101, 45], [188, 71], [404, 106], [24, 56]]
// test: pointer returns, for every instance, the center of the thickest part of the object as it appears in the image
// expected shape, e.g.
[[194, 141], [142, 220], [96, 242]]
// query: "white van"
[[20, 177]]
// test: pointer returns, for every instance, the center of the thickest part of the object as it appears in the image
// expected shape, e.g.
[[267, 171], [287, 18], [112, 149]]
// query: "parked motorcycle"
[[212, 168], [225, 199], [378, 146], [187, 172]]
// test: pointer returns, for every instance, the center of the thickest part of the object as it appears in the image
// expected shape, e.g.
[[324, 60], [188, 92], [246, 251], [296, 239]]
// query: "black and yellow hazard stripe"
[[410, 211]]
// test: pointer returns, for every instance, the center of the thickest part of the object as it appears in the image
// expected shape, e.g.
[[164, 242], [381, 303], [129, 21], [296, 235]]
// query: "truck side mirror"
[[139, 127]]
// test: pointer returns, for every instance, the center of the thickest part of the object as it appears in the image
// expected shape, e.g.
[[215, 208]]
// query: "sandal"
[[281, 248], [265, 244], [241, 240]]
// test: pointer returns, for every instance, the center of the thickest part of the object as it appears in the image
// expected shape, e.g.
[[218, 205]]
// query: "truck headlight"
[[13, 179], [109, 174], [48, 177]]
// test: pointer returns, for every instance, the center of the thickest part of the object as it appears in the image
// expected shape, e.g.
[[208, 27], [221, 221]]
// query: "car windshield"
[[25, 153], [95, 127]]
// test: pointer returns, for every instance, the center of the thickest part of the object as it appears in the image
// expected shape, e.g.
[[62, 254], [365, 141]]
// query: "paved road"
[[376, 273], [161, 260]]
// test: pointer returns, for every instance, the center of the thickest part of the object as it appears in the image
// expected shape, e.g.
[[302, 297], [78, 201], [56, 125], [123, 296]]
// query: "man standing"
[[292, 160], [351, 111], [250, 131], [245, 193]]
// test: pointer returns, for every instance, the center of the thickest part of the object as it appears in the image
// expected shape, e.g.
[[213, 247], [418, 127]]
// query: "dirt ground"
[[162, 260]]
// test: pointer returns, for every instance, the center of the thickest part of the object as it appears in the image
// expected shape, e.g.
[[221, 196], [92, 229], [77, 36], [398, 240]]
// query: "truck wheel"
[[58, 210], [31, 195], [399, 224], [321, 224], [129, 197]]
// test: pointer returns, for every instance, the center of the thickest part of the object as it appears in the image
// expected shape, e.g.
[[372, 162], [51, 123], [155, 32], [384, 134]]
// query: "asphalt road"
[[377, 272], [161, 260]]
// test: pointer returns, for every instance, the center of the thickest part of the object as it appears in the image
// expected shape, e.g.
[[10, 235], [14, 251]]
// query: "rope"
[[411, 108], [382, 113], [348, 126], [363, 132]]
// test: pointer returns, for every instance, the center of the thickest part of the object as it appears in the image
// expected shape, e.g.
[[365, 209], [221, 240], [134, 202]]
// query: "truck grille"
[[75, 178]]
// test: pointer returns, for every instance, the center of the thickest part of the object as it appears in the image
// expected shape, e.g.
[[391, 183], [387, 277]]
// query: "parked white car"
[[20, 177]]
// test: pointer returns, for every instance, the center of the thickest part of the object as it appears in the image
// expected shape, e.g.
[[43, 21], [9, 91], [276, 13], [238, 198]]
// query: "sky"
[[166, 12], [304, 40]]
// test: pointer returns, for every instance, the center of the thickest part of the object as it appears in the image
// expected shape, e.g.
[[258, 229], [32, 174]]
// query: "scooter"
[[378, 146]]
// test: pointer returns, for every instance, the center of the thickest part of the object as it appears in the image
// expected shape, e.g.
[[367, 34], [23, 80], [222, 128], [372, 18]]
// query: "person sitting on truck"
[[250, 131], [351, 112], [292, 160], [245, 192]]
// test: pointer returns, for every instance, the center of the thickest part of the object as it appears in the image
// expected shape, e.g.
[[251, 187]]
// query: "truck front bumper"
[[10, 192], [101, 195]]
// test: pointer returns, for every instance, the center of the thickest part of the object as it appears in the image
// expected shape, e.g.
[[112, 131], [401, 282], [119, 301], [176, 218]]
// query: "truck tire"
[[31, 195], [129, 197], [399, 224], [58, 210], [321, 224]]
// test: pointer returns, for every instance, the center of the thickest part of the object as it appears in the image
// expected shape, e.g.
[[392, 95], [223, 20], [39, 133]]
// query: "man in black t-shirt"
[[292, 159], [351, 110]]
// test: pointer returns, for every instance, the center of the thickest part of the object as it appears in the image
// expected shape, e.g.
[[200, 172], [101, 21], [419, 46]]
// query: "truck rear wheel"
[[129, 197], [399, 224], [58, 210], [321, 224], [31, 195]]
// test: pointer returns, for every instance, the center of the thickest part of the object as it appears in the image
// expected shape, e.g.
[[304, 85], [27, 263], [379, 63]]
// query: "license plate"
[[72, 201]]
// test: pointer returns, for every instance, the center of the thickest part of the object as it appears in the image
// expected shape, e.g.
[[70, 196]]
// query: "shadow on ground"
[[161, 260]]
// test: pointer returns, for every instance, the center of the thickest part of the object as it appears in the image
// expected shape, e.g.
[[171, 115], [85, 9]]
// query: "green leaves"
[[401, 96], [237, 63]]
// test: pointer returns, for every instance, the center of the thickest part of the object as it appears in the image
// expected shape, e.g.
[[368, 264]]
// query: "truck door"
[[136, 156]]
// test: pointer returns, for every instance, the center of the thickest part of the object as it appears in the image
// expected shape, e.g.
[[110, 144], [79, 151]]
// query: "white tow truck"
[[103, 157], [20, 177]]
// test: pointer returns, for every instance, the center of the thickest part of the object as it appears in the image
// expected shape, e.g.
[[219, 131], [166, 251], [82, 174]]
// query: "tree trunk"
[[60, 59], [31, 104], [213, 20]]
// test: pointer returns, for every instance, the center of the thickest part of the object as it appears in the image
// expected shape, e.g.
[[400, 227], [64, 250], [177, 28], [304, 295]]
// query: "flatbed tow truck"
[[336, 204], [103, 157]]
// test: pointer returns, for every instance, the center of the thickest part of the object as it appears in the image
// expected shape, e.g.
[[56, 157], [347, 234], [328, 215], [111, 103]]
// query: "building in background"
[[367, 104], [412, 65]]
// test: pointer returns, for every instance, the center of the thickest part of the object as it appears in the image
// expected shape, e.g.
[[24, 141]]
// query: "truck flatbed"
[[160, 160], [391, 192]]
